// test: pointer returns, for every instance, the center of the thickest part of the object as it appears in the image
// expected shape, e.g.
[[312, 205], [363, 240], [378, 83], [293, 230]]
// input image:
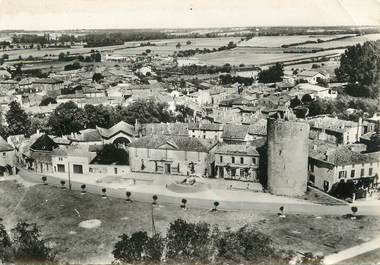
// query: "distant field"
[[329, 67], [277, 41], [168, 47], [343, 42], [257, 56]]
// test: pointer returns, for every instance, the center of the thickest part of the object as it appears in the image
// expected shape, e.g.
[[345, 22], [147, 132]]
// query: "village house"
[[329, 165], [177, 155], [314, 91], [237, 162], [71, 161], [311, 77], [334, 130], [205, 130], [7, 157], [121, 134], [39, 156]]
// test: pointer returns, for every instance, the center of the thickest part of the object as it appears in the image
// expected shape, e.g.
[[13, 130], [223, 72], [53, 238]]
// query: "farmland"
[[258, 56], [342, 42], [168, 47], [59, 212], [278, 41]]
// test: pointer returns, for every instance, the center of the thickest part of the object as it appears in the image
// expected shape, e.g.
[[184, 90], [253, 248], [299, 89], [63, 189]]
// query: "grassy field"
[[60, 212], [277, 41], [168, 47], [328, 66], [257, 56]]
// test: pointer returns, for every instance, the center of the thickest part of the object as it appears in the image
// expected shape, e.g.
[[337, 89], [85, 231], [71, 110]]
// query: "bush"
[[188, 240], [138, 247]]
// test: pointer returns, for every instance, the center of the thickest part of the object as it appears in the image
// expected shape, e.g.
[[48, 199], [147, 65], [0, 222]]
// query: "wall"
[[139, 156], [287, 157]]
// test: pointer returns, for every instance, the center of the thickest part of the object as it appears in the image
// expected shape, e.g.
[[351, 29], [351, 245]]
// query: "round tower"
[[288, 152]]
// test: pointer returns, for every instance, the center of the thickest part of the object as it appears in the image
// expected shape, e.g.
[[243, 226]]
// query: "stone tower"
[[287, 157]]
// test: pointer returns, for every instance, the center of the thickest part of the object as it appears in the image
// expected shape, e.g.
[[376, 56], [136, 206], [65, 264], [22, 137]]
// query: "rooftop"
[[183, 143]]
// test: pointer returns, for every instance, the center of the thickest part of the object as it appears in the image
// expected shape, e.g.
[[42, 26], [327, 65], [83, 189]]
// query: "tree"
[[128, 194], [96, 77], [184, 113], [183, 205], [188, 42], [104, 195], [28, 247], [83, 188], [216, 204], [272, 74], [295, 102], [67, 118], [63, 184], [306, 99], [360, 67], [97, 116], [145, 111], [155, 198], [188, 240], [138, 247], [5, 245], [44, 179], [48, 100], [5, 56], [17, 119], [354, 210]]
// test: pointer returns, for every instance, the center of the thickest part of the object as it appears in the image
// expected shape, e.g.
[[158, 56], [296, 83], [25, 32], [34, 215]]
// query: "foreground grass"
[[59, 212]]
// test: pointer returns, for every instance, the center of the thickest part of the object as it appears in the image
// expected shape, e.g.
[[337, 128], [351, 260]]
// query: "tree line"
[[69, 117], [199, 243]]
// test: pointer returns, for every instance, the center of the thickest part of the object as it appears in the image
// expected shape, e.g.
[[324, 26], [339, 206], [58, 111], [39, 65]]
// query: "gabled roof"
[[4, 146], [44, 143], [309, 73], [87, 135], [182, 143], [122, 126], [235, 132]]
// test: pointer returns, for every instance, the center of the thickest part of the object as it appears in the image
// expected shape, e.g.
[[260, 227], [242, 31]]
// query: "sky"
[[103, 14]]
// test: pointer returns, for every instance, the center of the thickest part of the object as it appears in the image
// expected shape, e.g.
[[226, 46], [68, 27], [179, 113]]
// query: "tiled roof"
[[4, 146], [237, 149], [165, 128], [258, 128], [235, 131], [332, 124], [183, 143], [341, 155], [44, 143], [87, 135], [122, 126], [308, 73], [205, 126]]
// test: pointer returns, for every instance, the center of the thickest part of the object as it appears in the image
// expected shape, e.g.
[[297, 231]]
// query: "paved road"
[[231, 205], [352, 252]]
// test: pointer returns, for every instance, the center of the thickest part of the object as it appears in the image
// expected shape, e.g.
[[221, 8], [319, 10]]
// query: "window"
[[362, 172], [253, 160], [204, 136], [61, 168], [241, 160], [342, 174], [233, 159], [4, 154], [78, 169], [370, 171], [221, 159], [115, 170], [353, 173]]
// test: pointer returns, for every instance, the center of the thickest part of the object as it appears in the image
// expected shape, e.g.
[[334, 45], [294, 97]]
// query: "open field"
[[277, 41], [164, 47], [328, 66], [168, 47], [61, 211], [343, 42], [258, 56]]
